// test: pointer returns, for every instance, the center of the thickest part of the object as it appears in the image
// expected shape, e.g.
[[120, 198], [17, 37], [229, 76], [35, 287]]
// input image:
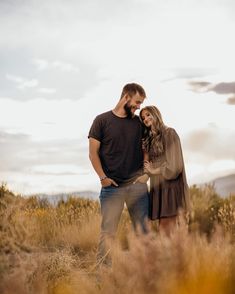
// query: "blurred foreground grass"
[[52, 249]]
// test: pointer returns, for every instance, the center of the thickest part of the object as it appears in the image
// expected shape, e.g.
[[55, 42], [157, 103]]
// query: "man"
[[115, 151]]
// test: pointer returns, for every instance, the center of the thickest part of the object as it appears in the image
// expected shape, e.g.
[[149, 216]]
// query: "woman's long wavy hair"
[[153, 138]]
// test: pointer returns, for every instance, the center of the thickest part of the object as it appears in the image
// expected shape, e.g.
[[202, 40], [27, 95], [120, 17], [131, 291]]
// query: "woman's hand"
[[148, 168]]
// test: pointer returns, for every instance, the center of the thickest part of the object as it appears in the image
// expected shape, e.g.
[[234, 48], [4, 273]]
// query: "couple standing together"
[[125, 151]]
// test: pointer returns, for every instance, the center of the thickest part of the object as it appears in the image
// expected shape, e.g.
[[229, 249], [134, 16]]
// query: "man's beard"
[[128, 108]]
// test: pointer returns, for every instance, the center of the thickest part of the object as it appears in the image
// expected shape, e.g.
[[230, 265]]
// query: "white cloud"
[[18, 80], [43, 64], [58, 169], [221, 166], [47, 90], [23, 83], [28, 84], [65, 66]]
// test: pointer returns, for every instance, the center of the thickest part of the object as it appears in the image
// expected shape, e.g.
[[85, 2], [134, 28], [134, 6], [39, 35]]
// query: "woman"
[[165, 165]]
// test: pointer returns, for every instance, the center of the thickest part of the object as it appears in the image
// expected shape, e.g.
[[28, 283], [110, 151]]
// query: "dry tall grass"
[[46, 249]]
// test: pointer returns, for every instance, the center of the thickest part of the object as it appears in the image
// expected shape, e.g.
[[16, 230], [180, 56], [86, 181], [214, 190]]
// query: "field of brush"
[[52, 249]]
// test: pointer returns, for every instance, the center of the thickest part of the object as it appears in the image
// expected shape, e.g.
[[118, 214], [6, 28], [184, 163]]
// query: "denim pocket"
[[107, 187]]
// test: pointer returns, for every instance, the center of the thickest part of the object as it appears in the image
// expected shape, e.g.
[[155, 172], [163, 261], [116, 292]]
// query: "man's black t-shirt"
[[120, 151]]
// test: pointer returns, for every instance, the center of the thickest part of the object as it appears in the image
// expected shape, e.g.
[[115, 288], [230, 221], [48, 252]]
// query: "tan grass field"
[[52, 249]]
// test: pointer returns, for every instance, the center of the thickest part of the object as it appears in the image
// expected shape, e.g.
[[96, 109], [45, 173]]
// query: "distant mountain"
[[225, 186], [55, 198]]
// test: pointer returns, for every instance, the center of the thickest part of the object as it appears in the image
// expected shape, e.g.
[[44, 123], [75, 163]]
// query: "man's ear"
[[126, 98]]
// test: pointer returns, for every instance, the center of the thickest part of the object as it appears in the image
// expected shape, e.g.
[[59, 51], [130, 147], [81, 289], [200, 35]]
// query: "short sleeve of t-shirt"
[[96, 129]]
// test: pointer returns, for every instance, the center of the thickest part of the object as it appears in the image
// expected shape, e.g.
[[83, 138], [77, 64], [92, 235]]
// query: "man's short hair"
[[133, 88]]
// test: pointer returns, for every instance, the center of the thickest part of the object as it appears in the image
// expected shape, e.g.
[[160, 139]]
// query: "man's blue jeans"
[[112, 201]]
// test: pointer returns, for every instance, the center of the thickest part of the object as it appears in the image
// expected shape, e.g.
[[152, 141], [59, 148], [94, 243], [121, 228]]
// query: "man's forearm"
[[95, 161]]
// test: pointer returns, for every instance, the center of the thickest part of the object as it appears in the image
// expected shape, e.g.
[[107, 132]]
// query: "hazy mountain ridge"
[[55, 198], [224, 186]]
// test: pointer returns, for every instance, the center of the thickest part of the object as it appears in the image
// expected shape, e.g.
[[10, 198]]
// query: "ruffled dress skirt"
[[167, 197]]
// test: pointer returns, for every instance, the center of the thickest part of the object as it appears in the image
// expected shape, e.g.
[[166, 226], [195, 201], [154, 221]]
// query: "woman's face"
[[147, 118]]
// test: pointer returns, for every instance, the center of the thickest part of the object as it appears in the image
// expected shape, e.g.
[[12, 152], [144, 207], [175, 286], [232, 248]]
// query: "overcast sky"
[[64, 62]]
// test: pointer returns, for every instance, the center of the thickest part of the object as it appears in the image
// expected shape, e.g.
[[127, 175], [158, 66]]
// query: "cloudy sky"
[[63, 62]]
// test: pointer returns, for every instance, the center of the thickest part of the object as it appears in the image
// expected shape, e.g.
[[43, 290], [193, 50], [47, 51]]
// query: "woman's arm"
[[174, 163]]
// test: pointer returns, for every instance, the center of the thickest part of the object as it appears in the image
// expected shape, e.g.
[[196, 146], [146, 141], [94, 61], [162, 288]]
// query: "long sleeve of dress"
[[173, 164]]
